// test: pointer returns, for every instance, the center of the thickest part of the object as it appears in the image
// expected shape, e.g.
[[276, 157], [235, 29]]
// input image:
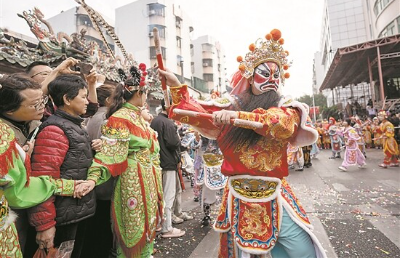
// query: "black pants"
[[75, 231], [99, 237], [306, 154]]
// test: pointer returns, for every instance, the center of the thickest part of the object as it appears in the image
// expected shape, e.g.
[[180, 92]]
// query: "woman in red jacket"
[[63, 150]]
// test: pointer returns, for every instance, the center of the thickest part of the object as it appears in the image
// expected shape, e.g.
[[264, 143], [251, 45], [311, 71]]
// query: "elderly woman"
[[63, 150], [17, 189]]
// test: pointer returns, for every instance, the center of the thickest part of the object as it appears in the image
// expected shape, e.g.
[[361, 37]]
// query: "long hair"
[[119, 97], [248, 102]]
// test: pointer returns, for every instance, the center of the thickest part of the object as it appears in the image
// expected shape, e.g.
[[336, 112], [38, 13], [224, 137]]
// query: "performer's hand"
[[224, 116], [83, 189], [170, 77], [96, 145]]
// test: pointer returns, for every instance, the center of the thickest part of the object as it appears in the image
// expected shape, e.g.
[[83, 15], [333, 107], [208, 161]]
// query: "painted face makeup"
[[267, 77]]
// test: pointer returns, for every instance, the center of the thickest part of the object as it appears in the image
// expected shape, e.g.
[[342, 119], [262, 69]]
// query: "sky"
[[235, 24]]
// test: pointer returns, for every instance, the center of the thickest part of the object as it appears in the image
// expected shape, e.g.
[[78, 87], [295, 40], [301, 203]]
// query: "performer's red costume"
[[257, 192]]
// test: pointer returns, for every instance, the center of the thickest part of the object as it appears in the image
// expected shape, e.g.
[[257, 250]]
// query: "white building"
[[208, 63], [350, 22], [76, 19], [134, 25]]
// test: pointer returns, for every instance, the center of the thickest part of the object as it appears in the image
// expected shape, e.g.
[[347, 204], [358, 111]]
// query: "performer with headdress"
[[390, 147], [259, 214], [352, 155], [130, 154], [336, 142], [376, 133]]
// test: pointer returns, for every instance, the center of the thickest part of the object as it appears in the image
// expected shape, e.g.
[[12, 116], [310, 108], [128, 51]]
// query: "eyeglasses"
[[42, 73], [41, 102]]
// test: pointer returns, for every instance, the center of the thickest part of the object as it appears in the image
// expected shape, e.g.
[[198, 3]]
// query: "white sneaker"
[[185, 216], [343, 168], [362, 166], [176, 219]]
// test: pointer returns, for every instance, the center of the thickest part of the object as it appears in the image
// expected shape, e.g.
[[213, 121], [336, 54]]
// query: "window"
[[178, 41], [207, 47], [178, 22], [191, 50], [179, 60], [389, 30], [85, 20], [156, 9], [153, 52], [208, 77], [192, 67], [380, 5], [161, 30], [207, 62]]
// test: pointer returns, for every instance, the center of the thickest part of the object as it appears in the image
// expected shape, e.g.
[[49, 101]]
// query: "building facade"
[[208, 63], [134, 25], [346, 23]]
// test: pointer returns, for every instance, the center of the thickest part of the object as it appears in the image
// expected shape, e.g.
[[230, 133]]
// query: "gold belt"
[[254, 188]]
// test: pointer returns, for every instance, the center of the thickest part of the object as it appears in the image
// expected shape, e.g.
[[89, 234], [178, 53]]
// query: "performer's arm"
[[279, 122], [112, 160], [182, 100]]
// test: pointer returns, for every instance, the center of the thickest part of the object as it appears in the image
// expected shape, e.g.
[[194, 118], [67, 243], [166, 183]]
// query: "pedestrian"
[[169, 156], [257, 198], [62, 219], [352, 155], [130, 154]]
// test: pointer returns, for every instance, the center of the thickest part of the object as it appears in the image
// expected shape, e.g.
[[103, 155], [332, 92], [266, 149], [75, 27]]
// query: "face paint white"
[[267, 77]]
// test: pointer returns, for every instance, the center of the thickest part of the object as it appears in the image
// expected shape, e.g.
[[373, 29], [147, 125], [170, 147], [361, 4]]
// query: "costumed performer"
[[352, 155], [390, 146], [336, 142], [295, 156], [130, 153], [209, 176], [259, 214], [376, 133]]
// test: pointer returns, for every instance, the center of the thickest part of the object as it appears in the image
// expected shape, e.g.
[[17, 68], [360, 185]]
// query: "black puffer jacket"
[[73, 159], [169, 141]]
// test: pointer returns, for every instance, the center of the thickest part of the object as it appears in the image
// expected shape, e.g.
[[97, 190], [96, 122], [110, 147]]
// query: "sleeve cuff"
[[249, 116], [64, 187], [46, 226]]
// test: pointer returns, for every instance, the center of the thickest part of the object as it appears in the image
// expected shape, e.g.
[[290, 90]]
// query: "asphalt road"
[[354, 213]]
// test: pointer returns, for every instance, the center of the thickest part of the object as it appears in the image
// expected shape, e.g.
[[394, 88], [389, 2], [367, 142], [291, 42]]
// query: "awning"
[[350, 64]]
